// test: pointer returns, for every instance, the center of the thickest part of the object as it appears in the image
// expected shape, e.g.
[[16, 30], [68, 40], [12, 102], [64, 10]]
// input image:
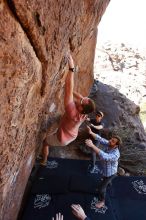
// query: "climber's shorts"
[[53, 141]]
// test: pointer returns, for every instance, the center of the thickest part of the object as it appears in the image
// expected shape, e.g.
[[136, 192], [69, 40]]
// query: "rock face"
[[34, 37]]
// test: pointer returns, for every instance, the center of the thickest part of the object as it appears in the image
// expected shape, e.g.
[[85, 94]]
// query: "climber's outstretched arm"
[[69, 82]]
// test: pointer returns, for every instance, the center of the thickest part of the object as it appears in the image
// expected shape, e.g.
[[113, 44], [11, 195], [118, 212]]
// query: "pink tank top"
[[70, 123]]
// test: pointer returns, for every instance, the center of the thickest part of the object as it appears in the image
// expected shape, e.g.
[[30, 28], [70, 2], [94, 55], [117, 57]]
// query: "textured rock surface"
[[34, 36]]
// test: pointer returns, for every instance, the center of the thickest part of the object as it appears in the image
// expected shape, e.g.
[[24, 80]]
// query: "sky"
[[124, 20]]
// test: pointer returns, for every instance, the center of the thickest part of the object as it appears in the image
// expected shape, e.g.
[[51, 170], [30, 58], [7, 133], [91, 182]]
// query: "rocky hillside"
[[124, 67]]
